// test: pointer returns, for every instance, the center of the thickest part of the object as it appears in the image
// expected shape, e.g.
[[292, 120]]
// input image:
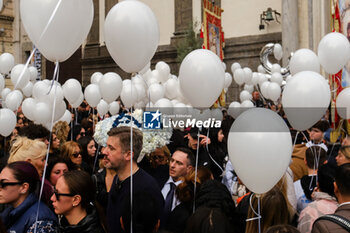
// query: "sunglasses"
[[82, 134], [4, 184], [57, 194], [76, 155]]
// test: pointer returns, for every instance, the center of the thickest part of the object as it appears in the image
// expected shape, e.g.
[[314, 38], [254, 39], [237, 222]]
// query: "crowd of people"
[[62, 181]]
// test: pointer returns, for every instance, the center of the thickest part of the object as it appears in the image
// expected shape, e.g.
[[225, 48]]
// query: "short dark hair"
[[190, 156], [34, 131], [312, 153], [124, 135], [52, 161], [342, 179], [80, 183], [326, 175], [322, 125], [25, 172], [145, 212]]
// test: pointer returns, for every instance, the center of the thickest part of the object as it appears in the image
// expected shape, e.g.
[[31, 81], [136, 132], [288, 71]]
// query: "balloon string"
[[96, 157], [24, 69], [55, 78], [51, 19], [131, 162], [334, 90], [262, 96], [256, 213], [195, 174]]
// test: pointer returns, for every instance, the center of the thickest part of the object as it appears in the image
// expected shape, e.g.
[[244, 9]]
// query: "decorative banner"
[[213, 36], [340, 22]]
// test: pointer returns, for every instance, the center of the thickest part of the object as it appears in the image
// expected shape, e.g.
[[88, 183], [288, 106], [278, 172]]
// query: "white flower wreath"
[[152, 138]]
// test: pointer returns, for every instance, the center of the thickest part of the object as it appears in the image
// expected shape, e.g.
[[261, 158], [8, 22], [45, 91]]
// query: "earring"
[[74, 205]]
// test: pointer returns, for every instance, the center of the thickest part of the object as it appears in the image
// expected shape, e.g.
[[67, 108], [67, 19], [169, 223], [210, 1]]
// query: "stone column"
[[290, 32], [94, 34], [183, 18]]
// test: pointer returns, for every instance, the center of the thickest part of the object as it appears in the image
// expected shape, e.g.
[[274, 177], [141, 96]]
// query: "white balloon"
[[277, 51], [40, 90], [56, 93], [5, 92], [7, 62], [262, 79], [2, 82], [72, 90], [114, 108], [261, 69], [139, 105], [238, 76], [145, 69], [247, 104], [28, 89], [245, 95], [60, 108], [42, 112], [102, 107], [156, 92], [259, 147], [67, 117], [126, 82], [276, 68], [228, 79], [249, 88], [78, 102], [28, 108], [131, 35], [110, 86], [33, 73], [17, 80], [164, 106], [201, 77], [57, 28], [7, 122], [255, 78], [141, 92], [234, 109], [171, 88], [128, 95], [248, 75], [305, 99], [343, 103], [303, 60], [274, 91], [13, 100], [164, 70], [264, 89], [137, 79], [224, 66], [157, 76], [333, 52], [92, 94], [152, 81], [96, 77], [277, 78], [235, 66]]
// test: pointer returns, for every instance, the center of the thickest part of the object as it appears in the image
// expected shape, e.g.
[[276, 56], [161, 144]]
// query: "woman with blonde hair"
[[61, 130], [34, 152]]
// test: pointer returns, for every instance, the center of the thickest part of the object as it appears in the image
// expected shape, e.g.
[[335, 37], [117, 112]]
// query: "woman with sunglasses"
[[19, 182], [71, 151], [73, 197]]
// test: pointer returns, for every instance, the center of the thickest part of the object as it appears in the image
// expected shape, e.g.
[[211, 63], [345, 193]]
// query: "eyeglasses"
[[3, 184], [76, 155], [82, 134], [57, 194]]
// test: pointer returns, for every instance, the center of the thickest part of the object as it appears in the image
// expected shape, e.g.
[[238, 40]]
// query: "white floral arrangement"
[[152, 139]]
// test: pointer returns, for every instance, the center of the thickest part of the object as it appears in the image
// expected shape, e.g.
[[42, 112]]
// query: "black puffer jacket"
[[89, 224]]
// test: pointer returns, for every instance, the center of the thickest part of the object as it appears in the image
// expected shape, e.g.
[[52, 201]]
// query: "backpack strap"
[[341, 221]]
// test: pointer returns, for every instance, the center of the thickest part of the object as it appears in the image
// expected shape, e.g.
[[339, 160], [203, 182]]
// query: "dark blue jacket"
[[22, 218]]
